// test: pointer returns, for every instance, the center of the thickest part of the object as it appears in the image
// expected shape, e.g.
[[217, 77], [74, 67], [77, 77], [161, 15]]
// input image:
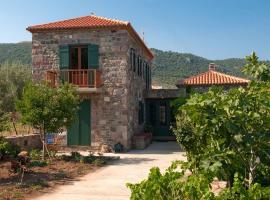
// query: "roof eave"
[[127, 27]]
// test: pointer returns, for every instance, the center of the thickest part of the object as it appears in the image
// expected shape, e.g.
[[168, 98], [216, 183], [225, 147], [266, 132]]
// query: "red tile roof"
[[91, 22], [212, 77]]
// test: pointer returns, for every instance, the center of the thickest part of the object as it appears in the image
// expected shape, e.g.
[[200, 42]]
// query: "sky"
[[214, 29]]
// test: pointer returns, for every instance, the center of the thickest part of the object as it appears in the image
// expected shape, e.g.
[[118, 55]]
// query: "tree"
[[4, 119], [48, 109], [13, 76], [260, 71], [226, 136]]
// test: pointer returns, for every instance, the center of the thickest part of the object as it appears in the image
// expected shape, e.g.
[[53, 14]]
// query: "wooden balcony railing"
[[86, 78]]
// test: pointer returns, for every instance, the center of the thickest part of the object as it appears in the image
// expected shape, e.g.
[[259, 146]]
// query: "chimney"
[[212, 66]]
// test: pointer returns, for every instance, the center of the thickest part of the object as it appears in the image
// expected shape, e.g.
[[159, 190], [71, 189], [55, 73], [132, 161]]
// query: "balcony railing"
[[83, 78]]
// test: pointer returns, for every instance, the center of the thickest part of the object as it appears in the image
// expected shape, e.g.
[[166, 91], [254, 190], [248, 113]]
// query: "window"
[[135, 62], [141, 66], [132, 58], [141, 112], [162, 114], [138, 65], [143, 69], [147, 76], [79, 57]]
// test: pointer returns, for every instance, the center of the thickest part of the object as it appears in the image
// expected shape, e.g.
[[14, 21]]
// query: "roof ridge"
[[81, 17], [109, 19]]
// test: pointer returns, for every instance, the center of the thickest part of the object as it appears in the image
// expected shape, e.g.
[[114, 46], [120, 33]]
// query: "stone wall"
[[165, 93], [136, 88], [114, 110], [205, 88], [26, 142]]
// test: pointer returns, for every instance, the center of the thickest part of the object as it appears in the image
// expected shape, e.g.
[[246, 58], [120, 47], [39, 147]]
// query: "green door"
[[158, 115], [79, 133]]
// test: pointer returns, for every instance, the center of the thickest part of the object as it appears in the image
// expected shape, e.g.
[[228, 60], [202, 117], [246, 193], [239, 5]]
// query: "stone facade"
[[205, 88], [114, 109]]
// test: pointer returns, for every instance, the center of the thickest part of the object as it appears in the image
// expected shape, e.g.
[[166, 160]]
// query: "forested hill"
[[13, 52], [171, 66], [168, 66]]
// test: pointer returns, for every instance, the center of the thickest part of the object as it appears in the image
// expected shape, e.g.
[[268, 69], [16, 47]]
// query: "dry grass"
[[21, 129], [40, 179]]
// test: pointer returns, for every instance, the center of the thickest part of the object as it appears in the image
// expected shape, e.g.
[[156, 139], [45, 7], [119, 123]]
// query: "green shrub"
[[8, 149], [76, 156], [38, 163], [35, 154], [173, 184], [98, 162]]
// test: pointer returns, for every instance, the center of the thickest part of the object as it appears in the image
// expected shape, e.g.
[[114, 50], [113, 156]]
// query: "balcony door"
[[79, 65]]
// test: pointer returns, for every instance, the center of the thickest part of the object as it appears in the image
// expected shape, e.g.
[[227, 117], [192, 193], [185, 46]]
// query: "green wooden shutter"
[[63, 62], [93, 56], [64, 56]]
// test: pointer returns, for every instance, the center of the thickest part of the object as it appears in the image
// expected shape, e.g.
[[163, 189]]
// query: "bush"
[[8, 150], [98, 162], [35, 154], [37, 163], [175, 184]]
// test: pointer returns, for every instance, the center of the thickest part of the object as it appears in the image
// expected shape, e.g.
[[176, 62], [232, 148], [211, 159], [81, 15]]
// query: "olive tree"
[[48, 109], [13, 76]]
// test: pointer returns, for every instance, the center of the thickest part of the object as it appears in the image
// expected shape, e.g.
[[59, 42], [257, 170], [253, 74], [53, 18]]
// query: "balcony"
[[87, 80]]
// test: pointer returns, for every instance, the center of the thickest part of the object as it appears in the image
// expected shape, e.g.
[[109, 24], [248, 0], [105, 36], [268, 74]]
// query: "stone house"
[[110, 64], [203, 81]]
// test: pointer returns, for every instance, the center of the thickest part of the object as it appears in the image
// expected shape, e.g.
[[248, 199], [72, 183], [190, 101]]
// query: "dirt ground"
[[40, 179]]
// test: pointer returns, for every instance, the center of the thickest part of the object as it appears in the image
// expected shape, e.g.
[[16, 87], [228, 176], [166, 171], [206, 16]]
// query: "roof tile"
[[212, 77], [91, 22]]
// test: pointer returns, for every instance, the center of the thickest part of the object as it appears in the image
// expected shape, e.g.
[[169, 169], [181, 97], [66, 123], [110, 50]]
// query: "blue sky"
[[214, 29]]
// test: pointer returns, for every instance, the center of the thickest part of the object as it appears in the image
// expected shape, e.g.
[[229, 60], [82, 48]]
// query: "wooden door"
[[79, 133]]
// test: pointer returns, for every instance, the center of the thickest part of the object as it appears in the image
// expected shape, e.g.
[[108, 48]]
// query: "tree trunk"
[[42, 138], [252, 167]]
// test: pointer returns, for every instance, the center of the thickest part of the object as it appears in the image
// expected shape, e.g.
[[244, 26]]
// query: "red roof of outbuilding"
[[91, 22], [212, 77]]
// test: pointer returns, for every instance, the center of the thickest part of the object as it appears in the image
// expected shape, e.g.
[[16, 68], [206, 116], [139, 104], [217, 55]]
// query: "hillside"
[[168, 66], [16, 52], [171, 66]]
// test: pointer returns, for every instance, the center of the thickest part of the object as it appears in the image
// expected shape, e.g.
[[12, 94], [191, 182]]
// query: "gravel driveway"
[[109, 183]]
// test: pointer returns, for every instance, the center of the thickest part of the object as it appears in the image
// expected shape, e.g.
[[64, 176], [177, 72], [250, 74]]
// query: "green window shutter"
[[93, 56], [64, 56]]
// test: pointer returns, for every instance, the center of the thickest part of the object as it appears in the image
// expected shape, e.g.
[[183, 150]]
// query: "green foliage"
[[226, 136], [38, 163], [77, 157], [169, 67], [4, 119], [239, 191], [21, 52], [8, 149], [227, 129], [257, 69], [35, 154], [13, 76], [174, 184], [98, 162], [48, 109]]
